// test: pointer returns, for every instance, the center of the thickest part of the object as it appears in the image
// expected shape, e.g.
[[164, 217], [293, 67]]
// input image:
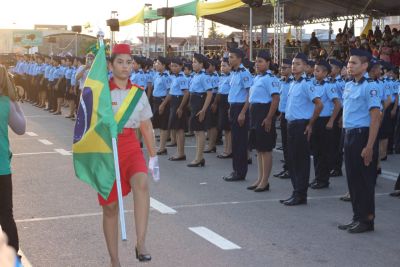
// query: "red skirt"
[[131, 161]]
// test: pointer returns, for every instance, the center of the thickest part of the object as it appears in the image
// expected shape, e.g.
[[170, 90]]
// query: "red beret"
[[121, 49]]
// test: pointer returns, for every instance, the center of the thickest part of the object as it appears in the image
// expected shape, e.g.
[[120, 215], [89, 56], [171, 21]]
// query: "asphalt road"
[[204, 221]]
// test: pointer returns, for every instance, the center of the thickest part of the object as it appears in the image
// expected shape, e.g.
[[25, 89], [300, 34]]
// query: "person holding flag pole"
[[106, 151]]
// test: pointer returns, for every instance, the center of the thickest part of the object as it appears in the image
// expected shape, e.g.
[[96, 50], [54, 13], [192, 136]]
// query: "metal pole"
[[165, 34], [251, 34], [76, 44]]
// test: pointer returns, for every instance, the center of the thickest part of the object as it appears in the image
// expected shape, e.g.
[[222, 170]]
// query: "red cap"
[[121, 49]]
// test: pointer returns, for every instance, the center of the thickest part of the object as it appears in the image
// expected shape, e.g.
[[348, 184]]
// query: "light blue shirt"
[[328, 93], [47, 70], [68, 73], [179, 84], [214, 81], [358, 99], [240, 83], [73, 74], [339, 85], [224, 86], [162, 82], [263, 88], [300, 104], [139, 78], [284, 90], [200, 83]]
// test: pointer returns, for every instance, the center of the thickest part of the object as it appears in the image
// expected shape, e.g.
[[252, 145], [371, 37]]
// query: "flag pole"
[[100, 35]]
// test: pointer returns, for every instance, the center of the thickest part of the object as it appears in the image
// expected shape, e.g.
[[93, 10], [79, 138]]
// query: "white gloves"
[[154, 168]]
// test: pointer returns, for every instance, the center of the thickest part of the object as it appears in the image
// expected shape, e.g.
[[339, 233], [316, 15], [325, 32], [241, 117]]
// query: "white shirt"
[[83, 79], [141, 112]]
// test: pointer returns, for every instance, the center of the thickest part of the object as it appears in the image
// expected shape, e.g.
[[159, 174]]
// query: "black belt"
[[302, 121], [356, 130], [198, 94]]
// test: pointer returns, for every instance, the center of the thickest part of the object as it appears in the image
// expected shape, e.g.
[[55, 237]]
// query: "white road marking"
[[162, 208], [214, 238], [390, 173], [31, 133], [45, 142], [24, 259], [388, 177], [34, 153], [203, 183], [63, 152]]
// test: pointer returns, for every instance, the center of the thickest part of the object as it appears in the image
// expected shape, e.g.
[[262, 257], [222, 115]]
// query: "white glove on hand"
[[154, 168]]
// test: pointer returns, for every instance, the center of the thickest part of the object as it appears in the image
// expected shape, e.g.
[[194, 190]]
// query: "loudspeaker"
[[114, 24], [253, 3], [76, 28], [166, 12]]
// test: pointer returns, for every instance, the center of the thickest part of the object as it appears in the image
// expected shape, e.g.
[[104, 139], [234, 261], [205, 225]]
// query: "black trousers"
[[397, 184], [360, 178], [6, 211], [392, 128], [336, 146], [283, 124], [396, 139], [320, 139], [239, 140], [299, 157]]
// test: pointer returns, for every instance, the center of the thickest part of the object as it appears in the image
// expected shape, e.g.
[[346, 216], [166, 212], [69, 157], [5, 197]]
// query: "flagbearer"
[[131, 160]]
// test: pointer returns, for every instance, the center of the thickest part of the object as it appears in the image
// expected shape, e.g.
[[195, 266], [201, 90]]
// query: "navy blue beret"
[[301, 56], [336, 62], [360, 53], [287, 61], [264, 54], [238, 52], [325, 64]]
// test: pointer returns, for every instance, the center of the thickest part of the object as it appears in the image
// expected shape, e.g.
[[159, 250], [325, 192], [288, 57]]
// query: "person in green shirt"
[[10, 115]]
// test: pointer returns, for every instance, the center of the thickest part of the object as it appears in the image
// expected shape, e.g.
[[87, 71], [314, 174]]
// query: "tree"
[[213, 33]]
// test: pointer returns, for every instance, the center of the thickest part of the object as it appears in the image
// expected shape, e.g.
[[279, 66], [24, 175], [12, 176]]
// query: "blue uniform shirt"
[[51, 73], [327, 92], [263, 88], [200, 83], [224, 86], [47, 70], [358, 99], [240, 83], [73, 74], [162, 83], [68, 73], [214, 81], [284, 90], [300, 104], [139, 78], [179, 83]]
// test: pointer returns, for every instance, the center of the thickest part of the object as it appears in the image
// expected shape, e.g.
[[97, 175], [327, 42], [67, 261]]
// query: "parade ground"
[[196, 218]]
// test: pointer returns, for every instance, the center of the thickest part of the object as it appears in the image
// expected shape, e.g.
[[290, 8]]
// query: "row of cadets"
[[59, 84], [264, 101], [212, 112], [322, 132], [200, 89], [361, 119], [286, 79], [70, 90], [223, 108], [302, 110], [336, 160], [238, 99], [161, 85]]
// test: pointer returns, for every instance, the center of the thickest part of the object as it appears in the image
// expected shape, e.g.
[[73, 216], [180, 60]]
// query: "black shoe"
[[201, 163], [384, 159], [279, 174], [189, 134], [285, 175], [57, 113], [219, 142], [345, 198], [336, 173], [162, 152], [251, 187], [296, 201], [224, 156], [212, 150], [171, 145], [285, 200], [282, 161], [233, 177], [361, 227], [250, 161], [142, 257], [265, 188], [46, 109], [379, 171], [347, 226], [312, 183], [317, 185], [395, 194], [279, 148], [177, 158]]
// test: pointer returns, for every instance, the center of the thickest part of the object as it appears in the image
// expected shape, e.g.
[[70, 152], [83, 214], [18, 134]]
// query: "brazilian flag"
[[94, 129]]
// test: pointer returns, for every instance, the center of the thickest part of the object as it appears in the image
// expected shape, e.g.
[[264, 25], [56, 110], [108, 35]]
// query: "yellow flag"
[[367, 27], [138, 18]]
